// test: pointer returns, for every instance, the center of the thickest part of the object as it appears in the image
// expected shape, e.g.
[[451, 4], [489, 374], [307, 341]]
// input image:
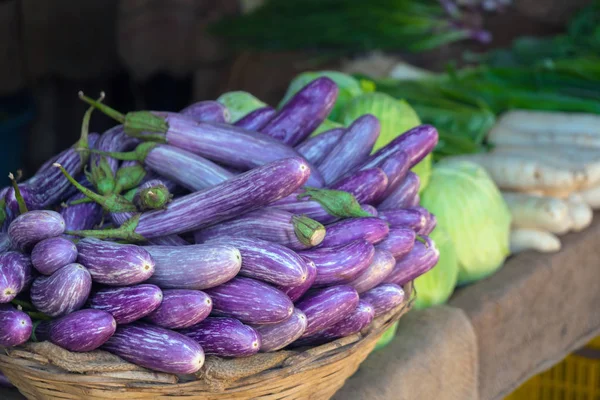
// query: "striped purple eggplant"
[[352, 149], [403, 195], [156, 348], [114, 139], [308, 208], [371, 229], [303, 113], [266, 261], [395, 166], [399, 242], [270, 224], [181, 308], [33, 227], [15, 274], [211, 111], [430, 225], [277, 336], [384, 298], [369, 209], [127, 304], [81, 216], [366, 186], [5, 244], [341, 264], [225, 337], [404, 218], [81, 331], [326, 307], [53, 253], [170, 240], [15, 326], [250, 301], [152, 195], [421, 259], [415, 201], [257, 119], [295, 292], [316, 148], [380, 268], [63, 292], [427, 217], [196, 267], [115, 264]]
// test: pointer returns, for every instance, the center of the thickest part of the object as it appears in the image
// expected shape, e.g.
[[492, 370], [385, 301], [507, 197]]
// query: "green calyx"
[[129, 177], [336, 202], [102, 177], [125, 232], [153, 198], [308, 231], [20, 201]]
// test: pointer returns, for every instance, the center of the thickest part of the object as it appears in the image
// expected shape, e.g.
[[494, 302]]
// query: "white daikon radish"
[[560, 123], [591, 197], [581, 213], [533, 239], [538, 212]]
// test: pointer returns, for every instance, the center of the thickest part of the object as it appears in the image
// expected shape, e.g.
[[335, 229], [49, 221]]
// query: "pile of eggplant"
[[178, 235]]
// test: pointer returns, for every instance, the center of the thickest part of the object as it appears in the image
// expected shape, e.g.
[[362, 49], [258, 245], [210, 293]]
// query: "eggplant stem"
[[111, 112], [22, 206], [85, 126], [125, 232], [118, 155], [308, 231]]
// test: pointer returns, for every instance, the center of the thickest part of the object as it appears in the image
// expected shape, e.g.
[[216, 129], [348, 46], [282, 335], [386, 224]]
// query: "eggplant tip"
[[57, 165]]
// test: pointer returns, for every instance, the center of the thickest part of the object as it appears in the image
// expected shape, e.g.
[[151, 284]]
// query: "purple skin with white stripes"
[[63, 292], [396, 166], [370, 209], [403, 195], [80, 331], [250, 301], [366, 186], [5, 244], [295, 292], [371, 229], [430, 226], [181, 308], [384, 298], [340, 264], [399, 242], [309, 208], [15, 274], [326, 307], [257, 119], [316, 148], [225, 337], [427, 216], [277, 336], [113, 139], [53, 253], [195, 267], [15, 326], [127, 304], [404, 218], [421, 259], [34, 226], [211, 111], [380, 268], [81, 216]]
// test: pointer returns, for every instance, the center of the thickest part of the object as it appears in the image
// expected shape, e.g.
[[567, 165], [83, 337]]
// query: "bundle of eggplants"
[[178, 235]]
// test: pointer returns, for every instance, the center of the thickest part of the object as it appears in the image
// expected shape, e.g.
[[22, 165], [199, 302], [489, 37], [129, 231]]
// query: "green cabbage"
[[436, 286], [469, 207], [240, 103]]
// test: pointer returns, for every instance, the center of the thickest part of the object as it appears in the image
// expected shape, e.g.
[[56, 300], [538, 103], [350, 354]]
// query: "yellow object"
[[577, 377]]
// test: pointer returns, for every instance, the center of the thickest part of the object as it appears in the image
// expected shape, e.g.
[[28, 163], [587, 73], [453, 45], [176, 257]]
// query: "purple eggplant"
[[277, 336], [81, 331], [369, 209], [152, 195], [310, 209], [352, 149], [181, 308], [257, 119], [341, 264], [15, 274], [115, 264], [427, 216], [127, 304], [170, 240], [156, 348], [421, 259], [250, 301], [430, 225], [225, 337], [15, 326], [366, 186], [295, 292], [303, 113], [268, 262], [65, 291], [380, 268], [211, 111], [33, 227], [81, 216], [196, 267], [371, 229], [384, 298], [316, 148], [395, 166], [403, 195], [114, 139], [5, 244], [404, 218], [53, 253], [399, 242], [326, 307]]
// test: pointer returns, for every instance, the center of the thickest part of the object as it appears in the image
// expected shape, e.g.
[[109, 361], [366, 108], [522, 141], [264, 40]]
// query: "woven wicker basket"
[[44, 371]]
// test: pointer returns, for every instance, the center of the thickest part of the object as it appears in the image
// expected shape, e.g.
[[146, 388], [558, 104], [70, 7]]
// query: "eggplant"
[[5, 244], [114, 139], [430, 225], [225, 337], [399, 242], [395, 167], [268, 262], [295, 292], [257, 119], [211, 111], [326, 307], [384, 298], [404, 218], [81, 216], [181, 308], [415, 201], [310, 209], [34, 226], [115, 264], [250, 301], [170, 240], [380, 268], [316, 148], [427, 216], [352, 149], [15, 326], [366, 186], [369, 209], [371, 229], [127, 304], [340, 264], [156, 348], [63, 292], [152, 195], [277, 336], [303, 113], [270, 224], [403, 195], [53, 253], [196, 267], [421, 259], [15, 275]]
